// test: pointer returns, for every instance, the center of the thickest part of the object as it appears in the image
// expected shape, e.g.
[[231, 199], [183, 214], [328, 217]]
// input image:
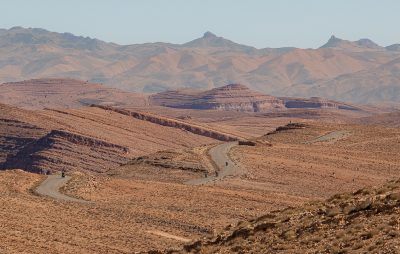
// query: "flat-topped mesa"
[[233, 86], [238, 97], [232, 97], [64, 93], [316, 102]]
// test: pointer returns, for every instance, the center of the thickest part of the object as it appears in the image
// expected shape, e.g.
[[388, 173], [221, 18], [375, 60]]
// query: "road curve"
[[51, 188], [219, 155]]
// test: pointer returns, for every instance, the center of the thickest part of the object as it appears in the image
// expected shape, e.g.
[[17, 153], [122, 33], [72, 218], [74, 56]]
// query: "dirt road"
[[51, 186], [219, 155]]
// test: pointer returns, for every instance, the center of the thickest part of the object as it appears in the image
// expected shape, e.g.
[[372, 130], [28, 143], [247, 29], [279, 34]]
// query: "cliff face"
[[316, 102], [65, 150], [196, 129]]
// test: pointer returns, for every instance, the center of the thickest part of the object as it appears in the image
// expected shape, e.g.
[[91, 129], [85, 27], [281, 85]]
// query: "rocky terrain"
[[236, 97], [358, 72], [64, 93], [365, 221]]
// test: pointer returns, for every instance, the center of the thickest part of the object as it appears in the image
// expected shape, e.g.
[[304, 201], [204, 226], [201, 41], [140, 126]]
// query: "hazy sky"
[[259, 23]]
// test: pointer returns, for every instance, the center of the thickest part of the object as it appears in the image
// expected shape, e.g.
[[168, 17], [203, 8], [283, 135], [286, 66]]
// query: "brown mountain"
[[207, 62], [378, 84]]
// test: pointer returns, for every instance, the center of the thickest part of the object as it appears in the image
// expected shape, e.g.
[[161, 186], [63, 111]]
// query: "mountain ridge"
[[206, 62]]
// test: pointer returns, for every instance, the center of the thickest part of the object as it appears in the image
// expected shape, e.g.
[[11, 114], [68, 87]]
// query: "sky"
[[258, 23]]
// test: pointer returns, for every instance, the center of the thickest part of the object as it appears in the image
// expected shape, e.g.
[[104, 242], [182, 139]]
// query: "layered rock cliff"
[[237, 97], [234, 97]]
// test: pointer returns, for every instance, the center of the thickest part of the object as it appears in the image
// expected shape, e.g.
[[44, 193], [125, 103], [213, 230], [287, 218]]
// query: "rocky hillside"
[[86, 139], [365, 221], [236, 97], [206, 62], [64, 93]]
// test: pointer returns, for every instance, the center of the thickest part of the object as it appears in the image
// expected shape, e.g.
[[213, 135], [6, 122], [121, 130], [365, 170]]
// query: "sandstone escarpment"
[[62, 150], [234, 97], [196, 129], [237, 97], [14, 135], [316, 102]]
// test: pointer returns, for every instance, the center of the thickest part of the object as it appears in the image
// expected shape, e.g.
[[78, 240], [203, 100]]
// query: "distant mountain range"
[[358, 72]]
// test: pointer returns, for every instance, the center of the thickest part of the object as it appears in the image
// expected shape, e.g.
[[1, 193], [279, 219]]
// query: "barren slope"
[[64, 93], [86, 139]]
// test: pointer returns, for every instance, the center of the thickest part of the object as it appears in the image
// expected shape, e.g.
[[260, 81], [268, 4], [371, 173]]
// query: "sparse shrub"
[[394, 196], [371, 247], [350, 209], [369, 234], [289, 235], [332, 212], [357, 245], [393, 222], [393, 233]]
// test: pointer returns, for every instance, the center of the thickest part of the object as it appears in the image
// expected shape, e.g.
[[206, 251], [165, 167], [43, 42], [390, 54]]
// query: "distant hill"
[[207, 62], [237, 97], [64, 93]]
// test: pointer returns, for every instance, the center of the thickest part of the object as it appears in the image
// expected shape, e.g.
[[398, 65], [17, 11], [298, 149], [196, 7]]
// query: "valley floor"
[[142, 205]]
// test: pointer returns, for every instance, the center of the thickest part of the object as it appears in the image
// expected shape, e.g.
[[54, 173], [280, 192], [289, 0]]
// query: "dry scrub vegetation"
[[365, 221]]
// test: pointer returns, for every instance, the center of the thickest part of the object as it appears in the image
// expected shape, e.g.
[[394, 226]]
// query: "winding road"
[[219, 155], [51, 188]]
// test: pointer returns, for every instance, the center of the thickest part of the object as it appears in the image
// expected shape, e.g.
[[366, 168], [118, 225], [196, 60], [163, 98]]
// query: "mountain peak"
[[334, 38], [367, 43], [335, 42], [211, 40], [208, 34], [332, 42]]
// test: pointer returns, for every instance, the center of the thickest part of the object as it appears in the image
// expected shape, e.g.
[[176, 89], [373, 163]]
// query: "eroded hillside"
[[85, 139]]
